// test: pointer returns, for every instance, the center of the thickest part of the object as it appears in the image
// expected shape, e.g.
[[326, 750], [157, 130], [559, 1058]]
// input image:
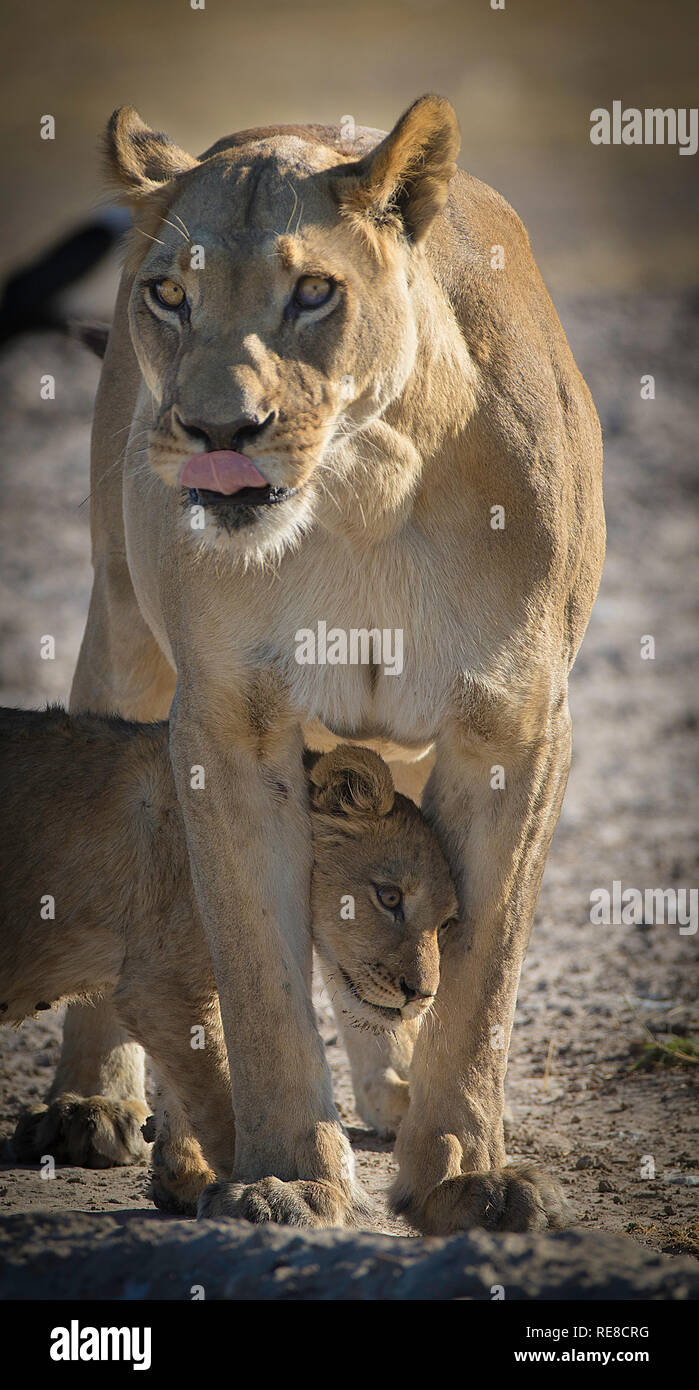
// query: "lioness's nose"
[[231, 435]]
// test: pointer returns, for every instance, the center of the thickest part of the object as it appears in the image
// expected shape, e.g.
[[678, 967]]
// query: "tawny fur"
[[435, 387], [89, 817]]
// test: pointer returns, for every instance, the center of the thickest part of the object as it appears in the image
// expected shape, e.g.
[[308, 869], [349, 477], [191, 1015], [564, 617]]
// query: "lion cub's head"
[[382, 896]]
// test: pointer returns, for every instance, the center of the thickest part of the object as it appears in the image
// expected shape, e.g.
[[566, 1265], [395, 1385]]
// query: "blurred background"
[[523, 81], [614, 230]]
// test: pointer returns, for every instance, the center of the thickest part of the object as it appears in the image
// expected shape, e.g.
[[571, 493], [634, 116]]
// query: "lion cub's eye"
[[390, 898], [312, 291], [168, 293]]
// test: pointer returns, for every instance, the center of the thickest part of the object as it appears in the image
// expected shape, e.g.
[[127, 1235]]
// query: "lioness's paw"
[[85, 1131], [299, 1203], [519, 1197]]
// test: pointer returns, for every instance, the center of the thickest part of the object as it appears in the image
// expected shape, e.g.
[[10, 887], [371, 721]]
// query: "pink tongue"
[[221, 471]]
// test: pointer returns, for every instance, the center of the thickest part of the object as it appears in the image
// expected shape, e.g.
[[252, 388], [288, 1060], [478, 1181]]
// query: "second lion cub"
[[97, 899]]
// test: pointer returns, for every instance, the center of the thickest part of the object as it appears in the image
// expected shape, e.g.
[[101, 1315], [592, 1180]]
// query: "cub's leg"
[[179, 1171], [96, 1105], [93, 1117], [120, 670], [98, 1061], [179, 1025], [379, 1063]]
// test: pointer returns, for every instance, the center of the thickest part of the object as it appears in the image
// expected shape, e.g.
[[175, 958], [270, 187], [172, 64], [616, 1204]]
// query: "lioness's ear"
[[404, 180], [139, 160], [351, 781]]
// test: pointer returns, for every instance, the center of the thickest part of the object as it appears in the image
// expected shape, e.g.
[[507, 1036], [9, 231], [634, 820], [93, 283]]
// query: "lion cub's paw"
[[298, 1203], [382, 1102], [519, 1197], [179, 1174], [85, 1131], [179, 1193]]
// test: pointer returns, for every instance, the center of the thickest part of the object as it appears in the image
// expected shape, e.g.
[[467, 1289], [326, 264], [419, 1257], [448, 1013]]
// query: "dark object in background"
[[29, 298], [91, 334]]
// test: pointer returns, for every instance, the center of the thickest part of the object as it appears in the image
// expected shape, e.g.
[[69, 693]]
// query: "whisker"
[[136, 420], [324, 468], [293, 210], [118, 462], [152, 238], [176, 229], [179, 219]]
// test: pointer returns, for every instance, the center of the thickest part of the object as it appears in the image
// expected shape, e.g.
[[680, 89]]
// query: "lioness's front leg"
[[243, 795], [451, 1144]]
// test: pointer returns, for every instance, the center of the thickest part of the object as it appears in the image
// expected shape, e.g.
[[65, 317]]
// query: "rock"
[[606, 1186], [74, 1255], [585, 1161]]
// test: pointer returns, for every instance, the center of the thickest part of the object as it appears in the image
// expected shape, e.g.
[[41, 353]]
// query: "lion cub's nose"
[[412, 995]]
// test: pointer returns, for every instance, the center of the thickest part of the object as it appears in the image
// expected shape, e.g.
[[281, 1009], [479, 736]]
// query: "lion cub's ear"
[[403, 181], [139, 160], [352, 782]]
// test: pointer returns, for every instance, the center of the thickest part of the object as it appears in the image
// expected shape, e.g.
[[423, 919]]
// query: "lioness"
[[336, 392], [90, 824]]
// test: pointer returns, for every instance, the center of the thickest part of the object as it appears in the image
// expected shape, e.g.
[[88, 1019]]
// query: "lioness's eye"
[[390, 898], [168, 293], [312, 291]]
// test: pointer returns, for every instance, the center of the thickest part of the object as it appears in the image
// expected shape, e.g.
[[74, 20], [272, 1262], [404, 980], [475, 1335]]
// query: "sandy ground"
[[588, 993]]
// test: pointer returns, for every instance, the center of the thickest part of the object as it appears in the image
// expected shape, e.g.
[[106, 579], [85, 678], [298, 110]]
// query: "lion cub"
[[96, 899]]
